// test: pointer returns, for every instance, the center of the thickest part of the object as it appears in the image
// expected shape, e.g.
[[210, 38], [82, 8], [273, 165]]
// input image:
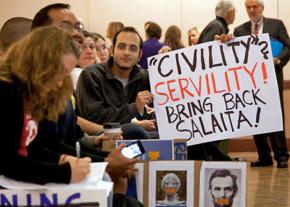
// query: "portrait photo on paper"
[[223, 184], [171, 188]]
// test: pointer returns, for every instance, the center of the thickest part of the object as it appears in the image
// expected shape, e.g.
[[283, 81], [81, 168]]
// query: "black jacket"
[[13, 165], [61, 137], [217, 26], [102, 98]]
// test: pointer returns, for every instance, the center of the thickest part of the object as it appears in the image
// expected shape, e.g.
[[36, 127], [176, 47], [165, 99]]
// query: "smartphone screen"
[[133, 150]]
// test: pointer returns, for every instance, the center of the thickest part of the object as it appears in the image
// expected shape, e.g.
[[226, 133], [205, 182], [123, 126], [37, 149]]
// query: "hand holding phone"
[[133, 150]]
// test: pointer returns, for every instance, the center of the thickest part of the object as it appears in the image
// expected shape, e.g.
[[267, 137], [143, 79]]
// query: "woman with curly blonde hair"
[[35, 84]]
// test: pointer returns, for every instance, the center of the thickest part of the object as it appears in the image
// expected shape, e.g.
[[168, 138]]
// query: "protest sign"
[[215, 91]]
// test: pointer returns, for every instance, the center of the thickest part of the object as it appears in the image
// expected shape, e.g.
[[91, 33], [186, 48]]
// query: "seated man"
[[119, 90]]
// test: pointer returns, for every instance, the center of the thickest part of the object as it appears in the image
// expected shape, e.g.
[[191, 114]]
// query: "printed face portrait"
[[222, 191], [171, 188], [222, 187], [170, 184]]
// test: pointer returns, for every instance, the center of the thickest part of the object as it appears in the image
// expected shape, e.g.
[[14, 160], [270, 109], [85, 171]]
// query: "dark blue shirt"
[[150, 48]]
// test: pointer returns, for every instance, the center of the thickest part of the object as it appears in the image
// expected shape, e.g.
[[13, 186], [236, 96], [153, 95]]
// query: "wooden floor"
[[266, 186]]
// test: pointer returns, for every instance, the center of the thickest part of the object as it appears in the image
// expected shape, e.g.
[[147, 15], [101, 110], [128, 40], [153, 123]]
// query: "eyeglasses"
[[101, 47], [70, 27], [91, 46]]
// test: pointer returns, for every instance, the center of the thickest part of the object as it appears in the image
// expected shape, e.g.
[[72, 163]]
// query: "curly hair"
[[34, 63]]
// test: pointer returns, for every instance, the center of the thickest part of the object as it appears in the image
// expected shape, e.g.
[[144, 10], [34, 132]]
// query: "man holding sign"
[[277, 31], [117, 91]]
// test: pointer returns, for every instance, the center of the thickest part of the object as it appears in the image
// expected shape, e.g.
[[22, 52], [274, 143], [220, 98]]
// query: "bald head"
[[13, 30]]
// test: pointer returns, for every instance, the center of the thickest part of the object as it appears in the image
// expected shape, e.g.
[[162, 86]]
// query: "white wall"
[[97, 14]]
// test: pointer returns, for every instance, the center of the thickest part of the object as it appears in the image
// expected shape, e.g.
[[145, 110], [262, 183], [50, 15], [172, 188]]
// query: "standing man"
[[225, 15], [119, 90], [276, 29]]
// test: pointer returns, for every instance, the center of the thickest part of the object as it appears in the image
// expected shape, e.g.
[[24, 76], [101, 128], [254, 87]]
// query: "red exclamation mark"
[[264, 72]]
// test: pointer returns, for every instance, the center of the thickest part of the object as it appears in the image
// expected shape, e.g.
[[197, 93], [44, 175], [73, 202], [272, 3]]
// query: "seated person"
[[119, 90], [60, 15], [101, 48], [30, 92], [151, 45], [12, 30], [87, 57]]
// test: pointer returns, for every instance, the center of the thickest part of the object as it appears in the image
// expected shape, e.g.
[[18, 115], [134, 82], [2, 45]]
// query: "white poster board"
[[215, 91]]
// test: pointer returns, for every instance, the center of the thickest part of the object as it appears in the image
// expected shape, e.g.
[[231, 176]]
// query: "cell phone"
[[134, 149]]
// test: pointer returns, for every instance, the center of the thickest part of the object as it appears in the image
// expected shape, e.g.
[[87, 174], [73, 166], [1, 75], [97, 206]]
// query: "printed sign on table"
[[223, 184], [215, 91], [161, 149]]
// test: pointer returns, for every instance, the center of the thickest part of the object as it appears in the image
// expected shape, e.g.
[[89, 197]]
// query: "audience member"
[[101, 48], [88, 51], [88, 57], [146, 24], [13, 30], [193, 35], [277, 30], [173, 38], [56, 135], [57, 138], [152, 45], [113, 28], [35, 85], [119, 90], [225, 15]]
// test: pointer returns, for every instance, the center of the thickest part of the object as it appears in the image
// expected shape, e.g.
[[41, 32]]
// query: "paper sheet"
[[93, 181]]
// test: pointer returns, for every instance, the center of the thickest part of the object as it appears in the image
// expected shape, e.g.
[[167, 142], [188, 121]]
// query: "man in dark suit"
[[276, 29]]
